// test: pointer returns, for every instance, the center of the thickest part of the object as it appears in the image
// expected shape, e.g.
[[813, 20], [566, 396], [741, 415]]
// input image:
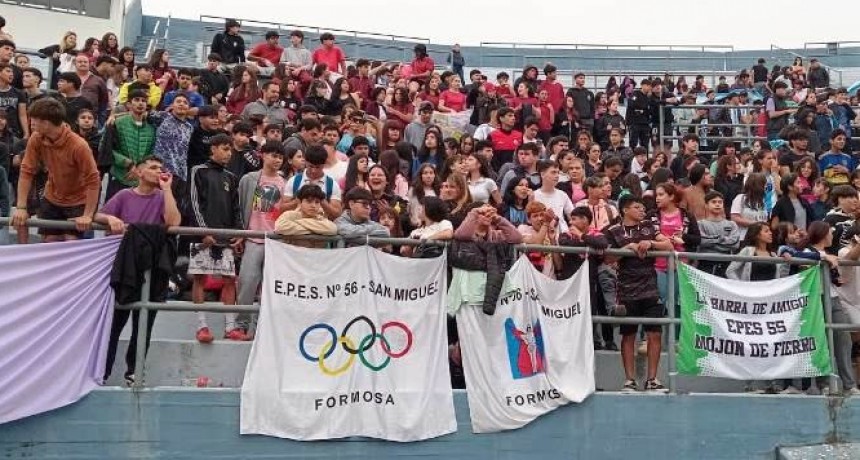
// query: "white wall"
[[35, 28]]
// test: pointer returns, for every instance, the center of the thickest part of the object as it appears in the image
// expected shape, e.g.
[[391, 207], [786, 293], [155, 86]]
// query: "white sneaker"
[[642, 349], [854, 391]]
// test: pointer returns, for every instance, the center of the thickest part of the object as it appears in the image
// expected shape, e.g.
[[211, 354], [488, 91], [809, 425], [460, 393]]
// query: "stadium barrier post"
[[142, 332], [828, 319], [671, 271]]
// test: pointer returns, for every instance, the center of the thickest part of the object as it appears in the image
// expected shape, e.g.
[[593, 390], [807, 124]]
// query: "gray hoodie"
[[347, 227]]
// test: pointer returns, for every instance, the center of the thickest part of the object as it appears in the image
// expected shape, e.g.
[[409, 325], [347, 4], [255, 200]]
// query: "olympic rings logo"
[[349, 345]]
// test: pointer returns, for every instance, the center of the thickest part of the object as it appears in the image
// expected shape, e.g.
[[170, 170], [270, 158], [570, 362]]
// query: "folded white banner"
[[533, 355]]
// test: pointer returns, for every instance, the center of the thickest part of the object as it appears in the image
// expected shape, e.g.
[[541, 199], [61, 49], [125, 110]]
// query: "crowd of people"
[[282, 139]]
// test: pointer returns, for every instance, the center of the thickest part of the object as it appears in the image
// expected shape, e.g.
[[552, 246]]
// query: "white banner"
[[350, 342], [533, 355]]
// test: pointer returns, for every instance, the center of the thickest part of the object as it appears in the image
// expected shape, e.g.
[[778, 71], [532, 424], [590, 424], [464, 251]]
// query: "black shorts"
[[50, 211], [643, 308]]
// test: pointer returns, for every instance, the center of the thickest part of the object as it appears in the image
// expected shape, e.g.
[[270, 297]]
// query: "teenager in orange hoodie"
[[72, 190]]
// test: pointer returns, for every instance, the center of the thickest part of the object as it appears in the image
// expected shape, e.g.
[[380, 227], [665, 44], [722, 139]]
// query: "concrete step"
[[223, 362], [176, 355]]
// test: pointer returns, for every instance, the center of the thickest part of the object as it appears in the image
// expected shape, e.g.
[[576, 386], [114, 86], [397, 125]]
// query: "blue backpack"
[[329, 185]]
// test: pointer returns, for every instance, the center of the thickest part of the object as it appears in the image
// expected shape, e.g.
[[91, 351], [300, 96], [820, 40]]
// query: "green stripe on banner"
[[688, 355], [812, 319]]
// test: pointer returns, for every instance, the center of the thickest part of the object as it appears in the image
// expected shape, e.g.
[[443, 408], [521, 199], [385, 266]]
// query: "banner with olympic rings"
[[533, 355], [350, 342]]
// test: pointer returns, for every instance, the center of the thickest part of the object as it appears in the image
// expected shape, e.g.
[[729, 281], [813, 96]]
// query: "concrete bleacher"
[[176, 358]]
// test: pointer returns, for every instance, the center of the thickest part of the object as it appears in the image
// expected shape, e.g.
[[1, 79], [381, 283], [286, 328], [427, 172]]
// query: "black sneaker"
[[629, 386], [610, 346], [598, 346], [654, 386]]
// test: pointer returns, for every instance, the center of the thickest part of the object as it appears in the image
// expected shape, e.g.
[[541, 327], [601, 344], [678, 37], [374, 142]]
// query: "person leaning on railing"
[[72, 190], [849, 291], [637, 287], [150, 202], [436, 226], [579, 234]]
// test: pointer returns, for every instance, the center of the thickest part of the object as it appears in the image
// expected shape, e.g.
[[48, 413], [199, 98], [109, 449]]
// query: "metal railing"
[[287, 27], [596, 81], [747, 137], [42, 62], [835, 74], [671, 321], [93, 8], [592, 46]]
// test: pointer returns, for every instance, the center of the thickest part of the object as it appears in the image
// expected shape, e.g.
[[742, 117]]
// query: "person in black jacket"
[[215, 204], [229, 44], [583, 100], [638, 116], [817, 75], [214, 85], [209, 126], [790, 207]]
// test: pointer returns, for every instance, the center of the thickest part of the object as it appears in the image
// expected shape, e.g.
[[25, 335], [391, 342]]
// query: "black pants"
[[120, 318], [640, 135]]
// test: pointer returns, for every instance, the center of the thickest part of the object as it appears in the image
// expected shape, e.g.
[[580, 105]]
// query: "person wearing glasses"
[[355, 221]]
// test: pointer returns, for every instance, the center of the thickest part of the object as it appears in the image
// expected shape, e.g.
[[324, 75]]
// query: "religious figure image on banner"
[[525, 349]]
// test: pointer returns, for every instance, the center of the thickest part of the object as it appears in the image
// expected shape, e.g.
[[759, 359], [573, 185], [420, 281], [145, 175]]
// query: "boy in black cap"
[[229, 44]]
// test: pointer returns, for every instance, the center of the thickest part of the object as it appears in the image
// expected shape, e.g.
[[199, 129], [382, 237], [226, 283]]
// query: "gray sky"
[[785, 23]]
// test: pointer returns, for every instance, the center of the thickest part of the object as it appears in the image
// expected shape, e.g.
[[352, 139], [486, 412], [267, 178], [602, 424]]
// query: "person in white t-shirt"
[[436, 226], [481, 186], [551, 197], [334, 167]]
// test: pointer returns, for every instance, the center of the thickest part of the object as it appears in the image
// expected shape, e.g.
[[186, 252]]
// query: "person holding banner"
[[637, 287]]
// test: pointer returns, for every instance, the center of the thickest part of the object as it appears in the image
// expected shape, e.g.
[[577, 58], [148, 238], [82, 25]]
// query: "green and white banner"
[[758, 330]]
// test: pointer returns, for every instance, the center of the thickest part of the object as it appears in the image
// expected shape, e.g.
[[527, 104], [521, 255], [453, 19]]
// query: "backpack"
[[300, 177]]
